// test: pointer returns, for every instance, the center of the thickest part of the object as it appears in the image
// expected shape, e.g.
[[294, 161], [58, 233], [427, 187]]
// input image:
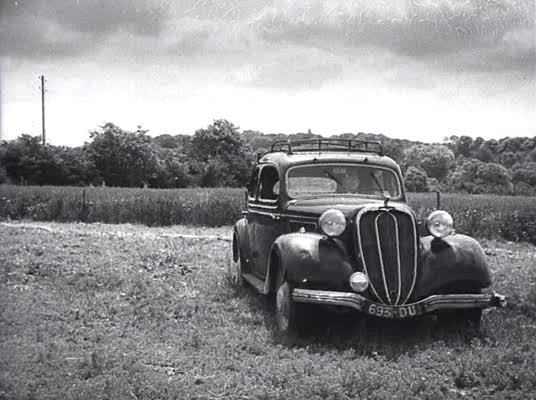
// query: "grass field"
[[129, 312]]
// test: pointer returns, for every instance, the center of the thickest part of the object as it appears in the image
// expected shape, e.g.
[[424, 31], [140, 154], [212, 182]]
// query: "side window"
[[252, 185], [269, 184]]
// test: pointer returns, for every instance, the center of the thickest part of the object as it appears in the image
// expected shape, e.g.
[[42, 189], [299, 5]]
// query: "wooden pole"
[[43, 134]]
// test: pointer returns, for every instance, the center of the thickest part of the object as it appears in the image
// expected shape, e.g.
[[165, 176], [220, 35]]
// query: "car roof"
[[284, 159]]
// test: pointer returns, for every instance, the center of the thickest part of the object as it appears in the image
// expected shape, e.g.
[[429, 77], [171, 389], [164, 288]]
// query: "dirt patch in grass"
[[129, 312]]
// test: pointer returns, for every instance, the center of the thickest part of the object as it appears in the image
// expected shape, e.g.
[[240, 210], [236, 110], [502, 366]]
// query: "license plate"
[[395, 312]]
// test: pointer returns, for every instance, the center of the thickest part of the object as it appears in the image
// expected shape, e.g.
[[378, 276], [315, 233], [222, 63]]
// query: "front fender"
[[454, 263], [310, 260]]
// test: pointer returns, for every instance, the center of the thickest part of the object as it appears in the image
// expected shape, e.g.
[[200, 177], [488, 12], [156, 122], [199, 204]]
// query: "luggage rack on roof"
[[327, 145]]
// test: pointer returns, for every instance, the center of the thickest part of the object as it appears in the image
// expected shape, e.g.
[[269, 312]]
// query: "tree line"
[[221, 155]]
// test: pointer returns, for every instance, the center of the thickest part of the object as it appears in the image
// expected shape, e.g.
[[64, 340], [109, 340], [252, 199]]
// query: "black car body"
[[308, 236]]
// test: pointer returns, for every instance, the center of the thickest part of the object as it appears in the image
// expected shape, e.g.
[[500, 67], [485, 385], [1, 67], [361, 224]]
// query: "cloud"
[[55, 28], [283, 44], [409, 28]]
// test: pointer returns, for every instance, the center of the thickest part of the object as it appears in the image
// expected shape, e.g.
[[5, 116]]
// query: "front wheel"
[[236, 271], [286, 310]]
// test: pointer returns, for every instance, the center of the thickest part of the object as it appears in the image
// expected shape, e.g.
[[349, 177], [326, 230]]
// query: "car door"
[[268, 223], [251, 217]]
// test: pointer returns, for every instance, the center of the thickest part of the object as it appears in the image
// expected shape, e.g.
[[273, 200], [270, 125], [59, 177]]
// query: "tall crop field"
[[511, 218], [486, 216], [153, 207]]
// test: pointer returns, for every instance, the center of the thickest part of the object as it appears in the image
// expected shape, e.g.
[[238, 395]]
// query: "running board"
[[258, 284]]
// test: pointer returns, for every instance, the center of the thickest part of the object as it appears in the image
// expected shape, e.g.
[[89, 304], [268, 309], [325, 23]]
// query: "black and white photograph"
[[267, 199]]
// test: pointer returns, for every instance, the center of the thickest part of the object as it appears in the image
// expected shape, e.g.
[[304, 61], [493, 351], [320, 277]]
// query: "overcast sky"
[[413, 69]]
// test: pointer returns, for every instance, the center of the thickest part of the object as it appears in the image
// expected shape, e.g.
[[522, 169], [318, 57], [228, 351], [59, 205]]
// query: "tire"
[[236, 271], [462, 318], [286, 310]]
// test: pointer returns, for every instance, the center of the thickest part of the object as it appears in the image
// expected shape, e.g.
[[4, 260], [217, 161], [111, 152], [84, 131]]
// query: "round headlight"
[[439, 223], [332, 222], [359, 281]]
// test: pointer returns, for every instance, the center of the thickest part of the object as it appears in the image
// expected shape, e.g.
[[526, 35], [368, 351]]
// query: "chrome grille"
[[387, 242]]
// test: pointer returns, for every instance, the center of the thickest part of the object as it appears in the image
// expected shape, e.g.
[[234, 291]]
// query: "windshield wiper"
[[377, 182], [331, 176]]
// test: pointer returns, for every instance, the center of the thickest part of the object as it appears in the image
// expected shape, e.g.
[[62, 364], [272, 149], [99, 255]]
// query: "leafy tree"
[[524, 189], [416, 180], [172, 170], [394, 149], [508, 158], [434, 185], [525, 173], [219, 139], [3, 175], [166, 141], [73, 166], [26, 160], [225, 158], [484, 154], [532, 155], [474, 176], [461, 146], [435, 160], [257, 140], [122, 158], [215, 174]]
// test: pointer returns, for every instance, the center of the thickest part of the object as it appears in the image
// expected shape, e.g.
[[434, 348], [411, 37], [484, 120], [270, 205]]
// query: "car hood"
[[316, 206]]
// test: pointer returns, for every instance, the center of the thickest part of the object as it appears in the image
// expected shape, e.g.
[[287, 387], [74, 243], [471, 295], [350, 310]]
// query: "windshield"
[[342, 179]]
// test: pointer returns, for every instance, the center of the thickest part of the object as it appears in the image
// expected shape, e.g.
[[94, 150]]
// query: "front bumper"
[[424, 306]]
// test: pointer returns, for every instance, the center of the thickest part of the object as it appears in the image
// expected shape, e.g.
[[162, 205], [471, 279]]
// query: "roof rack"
[[327, 145]]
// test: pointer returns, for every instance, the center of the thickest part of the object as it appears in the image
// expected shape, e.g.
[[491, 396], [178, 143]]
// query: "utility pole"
[[43, 135]]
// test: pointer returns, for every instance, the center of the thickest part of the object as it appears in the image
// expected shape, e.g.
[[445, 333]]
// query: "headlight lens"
[[439, 223], [332, 222], [359, 281]]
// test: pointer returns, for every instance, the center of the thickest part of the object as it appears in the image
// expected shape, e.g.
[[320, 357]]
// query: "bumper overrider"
[[424, 306]]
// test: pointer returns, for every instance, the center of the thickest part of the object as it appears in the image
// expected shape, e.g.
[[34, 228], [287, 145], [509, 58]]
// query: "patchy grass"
[[129, 312]]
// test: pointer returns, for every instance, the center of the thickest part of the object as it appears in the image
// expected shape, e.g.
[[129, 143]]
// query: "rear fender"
[[456, 261], [309, 260]]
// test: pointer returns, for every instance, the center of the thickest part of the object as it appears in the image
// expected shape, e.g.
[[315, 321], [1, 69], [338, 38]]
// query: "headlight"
[[359, 281], [439, 223], [332, 222]]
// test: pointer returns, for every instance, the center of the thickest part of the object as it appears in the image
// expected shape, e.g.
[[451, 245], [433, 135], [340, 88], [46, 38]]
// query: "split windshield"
[[342, 179]]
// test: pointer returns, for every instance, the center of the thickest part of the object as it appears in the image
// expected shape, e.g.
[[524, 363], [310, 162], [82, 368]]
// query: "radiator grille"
[[387, 242]]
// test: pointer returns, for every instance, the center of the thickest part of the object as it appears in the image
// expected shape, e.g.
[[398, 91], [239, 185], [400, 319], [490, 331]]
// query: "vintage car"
[[327, 222]]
